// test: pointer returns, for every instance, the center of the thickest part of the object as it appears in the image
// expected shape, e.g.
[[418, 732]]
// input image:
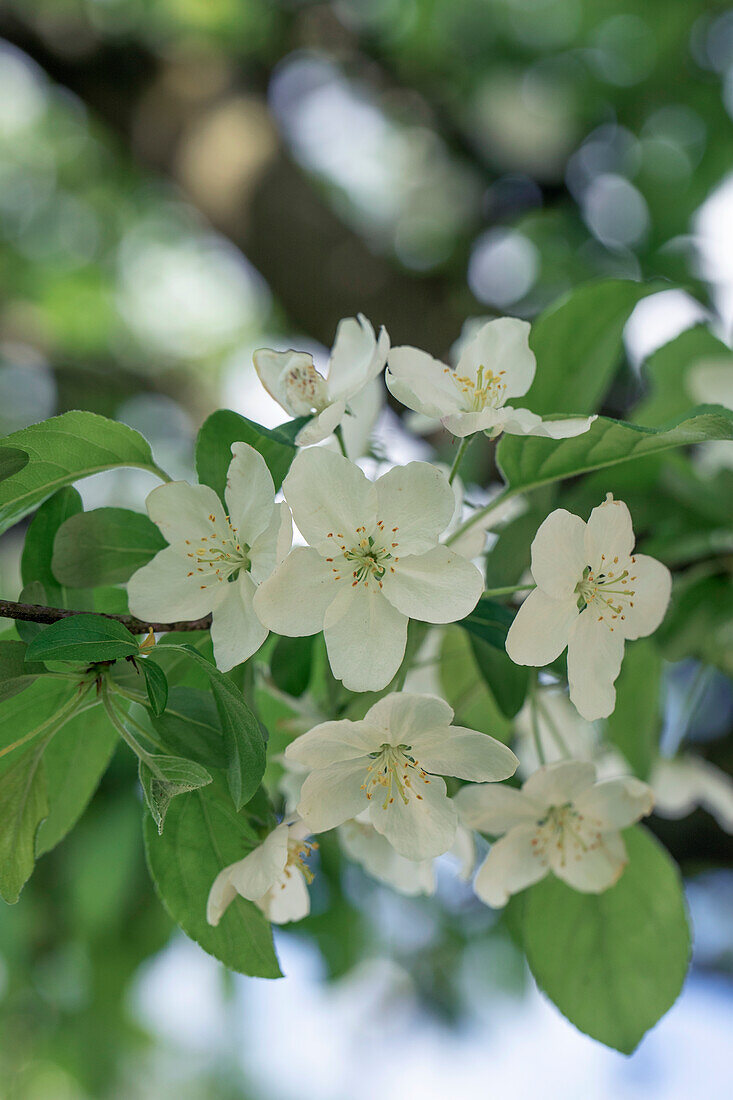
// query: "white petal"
[[561, 429], [559, 554], [520, 421], [329, 496], [689, 781], [288, 900], [593, 869], [421, 828], [221, 896], [609, 531], [272, 545], [512, 864], [366, 846], [437, 587], [332, 742], [364, 410], [322, 425], [249, 493], [273, 366], [492, 808], [294, 599], [329, 796], [357, 357], [595, 653], [556, 784], [464, 423], [540, 629], [422, 383], [182, 511], [501, 346], [464, 853], [418, 501], [651, 583], [614, 803], [403, 717], [236, 631], [464, 753], [365, 638], [253, 876], [163, 590]]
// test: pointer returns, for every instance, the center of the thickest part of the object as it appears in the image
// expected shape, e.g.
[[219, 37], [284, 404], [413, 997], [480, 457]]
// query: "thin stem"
[[459, 457], [338, 432], [40, 613], [533, 720], [508, 590], [124, 733], [480, 513], [552, 726], [141, 729]]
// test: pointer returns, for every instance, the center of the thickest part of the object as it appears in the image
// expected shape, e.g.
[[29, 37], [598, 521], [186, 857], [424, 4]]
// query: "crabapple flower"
[[291, 378], [493, 367], [561, 821], [273, 876], [214, 560], [364, 845], [390, 764], [373, 562], [685, 782], [592, 594]]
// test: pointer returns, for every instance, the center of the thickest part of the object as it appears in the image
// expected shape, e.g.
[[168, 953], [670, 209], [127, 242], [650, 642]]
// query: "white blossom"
[[685, 782], [373, 561], [493, 367], [560, 821], [390, 763], [291, 378], [592, 594], [214, 560], [274, 876]]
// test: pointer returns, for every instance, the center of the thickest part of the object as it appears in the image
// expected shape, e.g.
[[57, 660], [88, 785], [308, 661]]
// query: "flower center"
[[394, 771], [369, 559], [298, 852], [306, 390], [485, 391], [606, 591], [567, 831], [220, 554]]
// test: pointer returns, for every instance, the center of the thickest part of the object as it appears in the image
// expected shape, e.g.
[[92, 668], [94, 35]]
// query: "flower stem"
[[340, 440], [553, 728], [459, 457], [479, 514], [508, 590], [533, 720]]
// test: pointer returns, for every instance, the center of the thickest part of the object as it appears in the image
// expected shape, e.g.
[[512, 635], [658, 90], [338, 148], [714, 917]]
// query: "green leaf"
[[33, 710], [16, 673], [23, 805], [75, 760], [613, 963], [62, 450], [222, 428], [243, 741], [190, 726], [507, 682], [202, 836], [291, 664], [578, 343], [156, 685], [85, 638], [38, 549], [489, 621], [466, 690], [12, 461], [164, 777], [667, 370], [104, 546], [528, 462], [635, 724]]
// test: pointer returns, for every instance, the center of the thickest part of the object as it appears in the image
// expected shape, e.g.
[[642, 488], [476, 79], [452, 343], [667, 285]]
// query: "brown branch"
[[39, 613]]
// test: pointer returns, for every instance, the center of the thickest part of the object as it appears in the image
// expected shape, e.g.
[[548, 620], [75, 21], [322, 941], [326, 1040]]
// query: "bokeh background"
[[182, 181]]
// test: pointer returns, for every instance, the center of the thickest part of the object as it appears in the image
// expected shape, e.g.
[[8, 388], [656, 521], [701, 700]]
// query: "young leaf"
[[667, 372], [16, 673], [38, 549], [291, 664], [613, 963], [578, 344], [222, 428], [62, 450], [202, 836], [105, 546], [23, 805], [84, 638], [75, 760], [244, 744], [463, 686], [635, 724], [164, 777], [12, 461], [156, 685], [508, 682], [528, 462], [190, 726]]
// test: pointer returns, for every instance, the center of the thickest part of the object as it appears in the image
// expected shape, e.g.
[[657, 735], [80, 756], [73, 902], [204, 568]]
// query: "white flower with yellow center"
[[561, 821], [390, 764], [373, 562], [274, 876], [592, 594], [495, 366], [291, 378], [215, 560]]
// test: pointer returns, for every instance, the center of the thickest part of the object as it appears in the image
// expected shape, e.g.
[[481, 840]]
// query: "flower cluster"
[[371, 555]]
